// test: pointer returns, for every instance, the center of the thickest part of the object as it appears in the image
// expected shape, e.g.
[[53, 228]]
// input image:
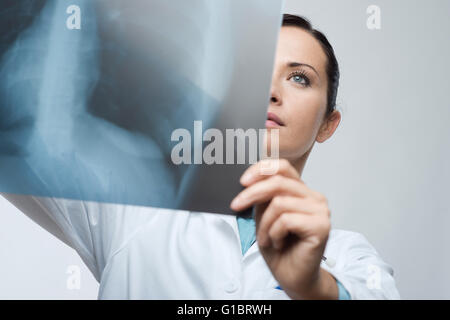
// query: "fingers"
[[304, 226], [264, 190], [282, 204], [285, 205], [260, 171]]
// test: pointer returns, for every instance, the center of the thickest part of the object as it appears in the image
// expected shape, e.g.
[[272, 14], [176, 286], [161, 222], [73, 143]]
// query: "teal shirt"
[[248, 237]]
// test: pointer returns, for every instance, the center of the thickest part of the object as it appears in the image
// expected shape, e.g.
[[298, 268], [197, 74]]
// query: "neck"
[[299, 163]]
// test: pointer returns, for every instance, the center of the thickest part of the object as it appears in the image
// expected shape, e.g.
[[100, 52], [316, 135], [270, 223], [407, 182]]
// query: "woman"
[[139, 252]]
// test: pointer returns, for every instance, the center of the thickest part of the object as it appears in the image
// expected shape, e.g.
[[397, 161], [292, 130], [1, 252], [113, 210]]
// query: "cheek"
[[304, 110]]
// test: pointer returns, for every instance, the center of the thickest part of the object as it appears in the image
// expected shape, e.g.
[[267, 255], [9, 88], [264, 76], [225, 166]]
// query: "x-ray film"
[[98, 96]]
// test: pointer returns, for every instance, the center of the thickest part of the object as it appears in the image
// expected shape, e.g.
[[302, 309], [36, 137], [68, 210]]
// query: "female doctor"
[[149, 253]]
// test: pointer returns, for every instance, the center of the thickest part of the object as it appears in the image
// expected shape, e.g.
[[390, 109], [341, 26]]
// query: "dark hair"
[[332, 67]]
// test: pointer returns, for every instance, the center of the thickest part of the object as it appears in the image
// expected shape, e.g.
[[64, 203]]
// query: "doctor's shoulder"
[[348, 245], [359, 266]]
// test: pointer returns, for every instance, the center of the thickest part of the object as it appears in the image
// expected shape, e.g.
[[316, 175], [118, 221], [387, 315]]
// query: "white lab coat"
[[148, 253]]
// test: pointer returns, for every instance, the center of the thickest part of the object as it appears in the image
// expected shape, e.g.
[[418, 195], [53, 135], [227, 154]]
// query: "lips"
[[273, 119]]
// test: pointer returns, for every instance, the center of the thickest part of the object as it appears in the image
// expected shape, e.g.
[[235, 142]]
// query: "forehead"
[[297, 45]]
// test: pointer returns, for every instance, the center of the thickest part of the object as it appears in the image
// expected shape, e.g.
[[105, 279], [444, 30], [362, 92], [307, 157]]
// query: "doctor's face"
[[298, 93]]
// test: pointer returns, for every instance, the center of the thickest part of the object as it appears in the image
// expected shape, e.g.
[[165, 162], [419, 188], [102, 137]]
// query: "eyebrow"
[[298, 64]]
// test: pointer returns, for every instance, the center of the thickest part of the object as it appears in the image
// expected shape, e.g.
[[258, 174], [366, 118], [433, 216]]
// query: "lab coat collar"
[[231, 221]]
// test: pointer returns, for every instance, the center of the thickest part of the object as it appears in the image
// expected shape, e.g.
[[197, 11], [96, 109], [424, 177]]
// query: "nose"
[[275, 96], [274, 99]]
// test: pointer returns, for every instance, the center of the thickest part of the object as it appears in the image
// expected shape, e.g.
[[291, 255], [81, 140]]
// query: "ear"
[[329, 126]]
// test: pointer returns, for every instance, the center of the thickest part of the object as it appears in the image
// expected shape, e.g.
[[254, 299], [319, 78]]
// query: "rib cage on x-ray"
[[88, 114]]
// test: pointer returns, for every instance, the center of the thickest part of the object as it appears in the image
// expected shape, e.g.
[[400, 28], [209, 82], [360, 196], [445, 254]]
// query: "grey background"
[[385, 171]]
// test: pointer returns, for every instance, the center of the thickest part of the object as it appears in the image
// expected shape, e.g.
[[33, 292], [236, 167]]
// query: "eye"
[[300, 78]]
